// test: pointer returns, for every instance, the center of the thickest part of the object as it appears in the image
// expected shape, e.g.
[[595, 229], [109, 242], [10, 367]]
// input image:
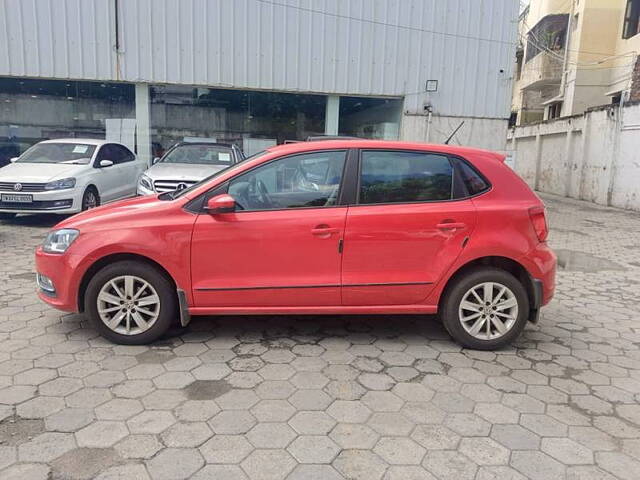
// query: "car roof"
[[87, 141], [289, 148], [209, 144]]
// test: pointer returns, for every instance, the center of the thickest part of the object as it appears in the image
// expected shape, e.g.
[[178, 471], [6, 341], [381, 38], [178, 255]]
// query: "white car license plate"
[[13, 198]]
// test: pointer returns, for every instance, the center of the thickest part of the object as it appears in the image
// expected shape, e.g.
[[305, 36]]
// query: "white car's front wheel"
[[90, 198]]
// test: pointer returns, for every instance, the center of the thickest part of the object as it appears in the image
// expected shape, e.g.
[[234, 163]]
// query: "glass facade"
[[250, 119], [366, 117], [32, 110], [35, 110]]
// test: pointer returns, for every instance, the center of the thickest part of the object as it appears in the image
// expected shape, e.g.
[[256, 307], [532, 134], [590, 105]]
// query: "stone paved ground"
[[330, 398]]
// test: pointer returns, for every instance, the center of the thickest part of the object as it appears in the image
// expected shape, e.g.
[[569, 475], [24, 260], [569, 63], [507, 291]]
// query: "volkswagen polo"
[[332, 227]]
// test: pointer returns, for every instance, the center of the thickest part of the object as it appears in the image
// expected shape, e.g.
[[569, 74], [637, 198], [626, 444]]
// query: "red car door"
[[280, 247], [405, 230]]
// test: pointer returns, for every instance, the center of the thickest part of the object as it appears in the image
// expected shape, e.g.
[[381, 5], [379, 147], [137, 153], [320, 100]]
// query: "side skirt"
[[320, 310]]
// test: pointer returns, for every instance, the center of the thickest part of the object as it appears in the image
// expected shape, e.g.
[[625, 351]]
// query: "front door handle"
[[451, 226], [324, 230]]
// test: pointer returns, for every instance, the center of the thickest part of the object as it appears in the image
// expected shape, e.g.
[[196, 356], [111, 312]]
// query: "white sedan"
[[68, 176]]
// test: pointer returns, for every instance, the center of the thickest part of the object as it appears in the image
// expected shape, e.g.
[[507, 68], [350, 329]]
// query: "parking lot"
[[366, 397]]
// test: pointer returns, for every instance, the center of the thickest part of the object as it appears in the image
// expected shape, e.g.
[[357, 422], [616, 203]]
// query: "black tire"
[[7, 216], [168, 311], [449, 308], [90, 193]]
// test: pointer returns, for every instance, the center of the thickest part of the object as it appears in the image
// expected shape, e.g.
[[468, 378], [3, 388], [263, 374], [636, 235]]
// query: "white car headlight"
[[146, 182], [58, 241], [61, 184]]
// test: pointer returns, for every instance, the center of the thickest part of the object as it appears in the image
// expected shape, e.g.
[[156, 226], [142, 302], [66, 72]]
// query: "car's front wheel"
[[90, 198], [485, 309], [131, 303]]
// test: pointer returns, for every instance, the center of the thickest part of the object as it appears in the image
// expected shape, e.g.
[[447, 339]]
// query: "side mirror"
[[155, 160], [221, 204], [13, 159], [105, 163]]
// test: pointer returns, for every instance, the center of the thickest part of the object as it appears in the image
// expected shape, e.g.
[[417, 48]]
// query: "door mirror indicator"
[[13, 159], [105, 163], [223, 203]]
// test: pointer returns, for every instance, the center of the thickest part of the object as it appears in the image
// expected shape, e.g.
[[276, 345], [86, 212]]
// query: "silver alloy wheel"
[[128, 305], [488, 310], [90, 200]]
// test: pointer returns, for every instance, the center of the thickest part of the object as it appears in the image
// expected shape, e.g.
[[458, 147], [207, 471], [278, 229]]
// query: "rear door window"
[[404, 177]]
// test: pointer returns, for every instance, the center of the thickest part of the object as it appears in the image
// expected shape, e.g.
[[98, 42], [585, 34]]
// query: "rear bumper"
[[541, 264]]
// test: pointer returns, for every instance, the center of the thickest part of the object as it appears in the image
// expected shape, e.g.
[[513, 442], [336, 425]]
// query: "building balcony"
[[542, 71]]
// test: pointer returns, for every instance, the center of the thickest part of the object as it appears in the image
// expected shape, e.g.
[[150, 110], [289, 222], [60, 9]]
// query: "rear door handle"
[[451, 226], [324, 230]]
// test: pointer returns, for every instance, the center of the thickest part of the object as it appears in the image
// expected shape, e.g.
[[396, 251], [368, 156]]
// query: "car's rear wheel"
[[7, 216], [485, 309], [90, 198], [131, 303]]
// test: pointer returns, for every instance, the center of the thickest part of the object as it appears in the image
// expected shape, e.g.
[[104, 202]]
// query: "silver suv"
[[187, 163]]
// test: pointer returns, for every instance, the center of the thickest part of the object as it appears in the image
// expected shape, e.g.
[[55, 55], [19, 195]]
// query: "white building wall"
[[487, 133], [589, 157], [346, 47]]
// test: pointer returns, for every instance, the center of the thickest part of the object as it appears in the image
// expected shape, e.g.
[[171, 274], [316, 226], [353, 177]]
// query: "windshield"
[[78, 153], [178, 193], [199, 155]]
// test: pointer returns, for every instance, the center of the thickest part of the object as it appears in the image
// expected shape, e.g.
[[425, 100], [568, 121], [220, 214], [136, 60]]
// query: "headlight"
[[61, 184], [58, 241], [146, 182]]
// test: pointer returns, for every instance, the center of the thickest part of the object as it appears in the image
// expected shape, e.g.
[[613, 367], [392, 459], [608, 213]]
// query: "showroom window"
[[250, 119], [374, 118], [34, 110], [402, 177]]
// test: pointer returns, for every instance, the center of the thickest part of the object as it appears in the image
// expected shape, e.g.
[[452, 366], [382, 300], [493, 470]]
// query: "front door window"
[[302, 181]]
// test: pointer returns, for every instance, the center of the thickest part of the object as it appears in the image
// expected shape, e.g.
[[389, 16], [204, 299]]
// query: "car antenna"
[[453, 133]]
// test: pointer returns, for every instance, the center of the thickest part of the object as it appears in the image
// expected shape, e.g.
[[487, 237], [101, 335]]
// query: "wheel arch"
[[115, 257], [93, 186], [503, 263]]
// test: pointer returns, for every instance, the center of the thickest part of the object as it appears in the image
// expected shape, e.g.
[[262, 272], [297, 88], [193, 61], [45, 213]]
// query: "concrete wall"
[[591, 157], [488, 133]]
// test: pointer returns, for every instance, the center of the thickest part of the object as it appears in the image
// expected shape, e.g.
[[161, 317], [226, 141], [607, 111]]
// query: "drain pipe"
[[116, 17], [429, 110], [565, 61]]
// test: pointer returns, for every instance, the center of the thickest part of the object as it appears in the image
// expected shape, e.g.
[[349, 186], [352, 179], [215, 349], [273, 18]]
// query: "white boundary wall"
[[593, 157]]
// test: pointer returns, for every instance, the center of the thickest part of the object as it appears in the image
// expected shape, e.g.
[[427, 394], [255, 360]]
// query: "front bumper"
[[63, 271], [53, 201]]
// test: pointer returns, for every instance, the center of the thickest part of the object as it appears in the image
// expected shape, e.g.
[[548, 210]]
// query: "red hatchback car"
[[332, 227]]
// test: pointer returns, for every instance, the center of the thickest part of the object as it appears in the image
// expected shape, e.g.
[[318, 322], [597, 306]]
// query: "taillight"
[[539, 222]]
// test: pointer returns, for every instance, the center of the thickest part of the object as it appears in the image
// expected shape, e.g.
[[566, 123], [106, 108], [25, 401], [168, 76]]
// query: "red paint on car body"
[[351, 258]]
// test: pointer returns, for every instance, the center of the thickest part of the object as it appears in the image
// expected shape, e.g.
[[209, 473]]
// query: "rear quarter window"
[[470, 181]]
